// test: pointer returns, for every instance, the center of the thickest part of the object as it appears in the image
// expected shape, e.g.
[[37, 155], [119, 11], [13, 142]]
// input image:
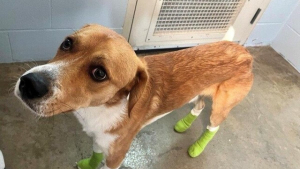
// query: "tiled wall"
[[287, 42], [32, 30], [271, 22]]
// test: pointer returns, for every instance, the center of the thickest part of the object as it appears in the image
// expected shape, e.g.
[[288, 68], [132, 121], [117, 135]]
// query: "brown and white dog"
[[114, 94]]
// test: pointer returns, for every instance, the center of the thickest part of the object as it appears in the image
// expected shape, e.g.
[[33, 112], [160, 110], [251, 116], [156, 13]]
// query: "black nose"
[[33, 85]]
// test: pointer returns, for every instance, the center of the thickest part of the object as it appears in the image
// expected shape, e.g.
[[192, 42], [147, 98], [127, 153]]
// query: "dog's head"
[[93, 66]]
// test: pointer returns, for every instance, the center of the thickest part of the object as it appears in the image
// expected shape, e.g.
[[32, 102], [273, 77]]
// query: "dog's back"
[[197, 71]]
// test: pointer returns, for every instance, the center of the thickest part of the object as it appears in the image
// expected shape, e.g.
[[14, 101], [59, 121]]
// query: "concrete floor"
[[263, 131]]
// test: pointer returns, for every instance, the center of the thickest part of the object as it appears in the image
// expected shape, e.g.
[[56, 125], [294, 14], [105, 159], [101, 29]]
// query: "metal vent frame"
[[186, 15], [141, 18]]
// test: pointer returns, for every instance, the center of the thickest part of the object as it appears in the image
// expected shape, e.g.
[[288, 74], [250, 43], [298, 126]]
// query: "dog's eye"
[[67, 44], [99, 74]]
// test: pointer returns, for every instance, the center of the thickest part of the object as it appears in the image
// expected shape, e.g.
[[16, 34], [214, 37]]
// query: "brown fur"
[[221, 70], [157, 84]]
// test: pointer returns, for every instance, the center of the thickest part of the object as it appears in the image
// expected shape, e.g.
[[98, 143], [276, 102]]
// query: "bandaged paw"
[[197, 148], [185, 123], [92, 162]]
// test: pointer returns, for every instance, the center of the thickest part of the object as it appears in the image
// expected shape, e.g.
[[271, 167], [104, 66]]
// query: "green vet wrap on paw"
[[185, 123], [92, 162], [197, 148]]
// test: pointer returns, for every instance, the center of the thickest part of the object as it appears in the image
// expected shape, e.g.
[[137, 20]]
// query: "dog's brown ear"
[[138, 93]]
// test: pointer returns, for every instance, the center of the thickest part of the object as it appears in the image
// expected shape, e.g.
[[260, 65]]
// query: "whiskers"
[[72, 109], [53, 111], [13, 81], [38, 117], [21, 69], [59, 107], [11, 88]]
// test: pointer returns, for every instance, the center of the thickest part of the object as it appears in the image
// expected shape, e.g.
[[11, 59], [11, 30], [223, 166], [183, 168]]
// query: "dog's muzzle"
[[33, 85]]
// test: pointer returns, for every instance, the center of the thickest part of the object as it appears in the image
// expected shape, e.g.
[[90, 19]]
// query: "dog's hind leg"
[[185, 123], [226, 96]]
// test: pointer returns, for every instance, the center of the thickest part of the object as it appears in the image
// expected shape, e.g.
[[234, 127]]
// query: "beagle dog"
[[114, 94]]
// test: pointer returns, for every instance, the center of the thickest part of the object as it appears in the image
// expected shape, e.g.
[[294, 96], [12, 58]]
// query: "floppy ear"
[[138, 93]]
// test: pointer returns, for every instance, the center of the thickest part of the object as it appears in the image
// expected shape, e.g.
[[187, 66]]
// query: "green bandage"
[[185, 123], [92, 162], [197, 148]]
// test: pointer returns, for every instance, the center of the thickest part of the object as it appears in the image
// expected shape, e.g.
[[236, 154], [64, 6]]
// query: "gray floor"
[[263, 131]]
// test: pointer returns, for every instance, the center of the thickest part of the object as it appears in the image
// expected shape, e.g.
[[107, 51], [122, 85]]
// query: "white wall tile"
[[28, 24], [21, 14], [36, 45], [5, 51], [278, 11], [77, 13], [287, 43], [294, 20], [263, 34]]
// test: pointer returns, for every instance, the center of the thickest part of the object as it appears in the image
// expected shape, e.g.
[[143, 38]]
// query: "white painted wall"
[[287, 42], [271, 22], [33, 29]]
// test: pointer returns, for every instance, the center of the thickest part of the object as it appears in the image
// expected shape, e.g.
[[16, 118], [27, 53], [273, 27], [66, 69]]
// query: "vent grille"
[[185, 16]]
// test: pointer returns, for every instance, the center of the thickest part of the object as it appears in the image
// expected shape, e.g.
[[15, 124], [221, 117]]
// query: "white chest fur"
[[97, 120]]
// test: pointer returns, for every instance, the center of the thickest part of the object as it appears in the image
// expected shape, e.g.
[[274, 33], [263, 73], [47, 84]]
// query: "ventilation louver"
[[185, 16]]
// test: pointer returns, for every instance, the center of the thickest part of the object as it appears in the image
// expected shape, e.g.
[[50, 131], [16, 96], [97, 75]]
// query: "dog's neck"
[[105, 117], [96, 121]]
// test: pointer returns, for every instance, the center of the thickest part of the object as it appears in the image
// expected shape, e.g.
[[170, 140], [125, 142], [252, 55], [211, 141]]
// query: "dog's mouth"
[[44, 107], [32, 106]]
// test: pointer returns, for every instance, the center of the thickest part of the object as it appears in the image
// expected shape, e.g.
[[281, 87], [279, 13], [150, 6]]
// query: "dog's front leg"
[[105, 167], [114, 160], [94, 161], [118, 150]]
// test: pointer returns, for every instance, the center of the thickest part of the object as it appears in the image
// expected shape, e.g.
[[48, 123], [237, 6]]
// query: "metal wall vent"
[[185, 16]]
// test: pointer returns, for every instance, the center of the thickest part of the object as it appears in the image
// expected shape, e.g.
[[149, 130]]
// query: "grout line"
[[47, 29], [51, 14], [29, 30], [293, 29], [11, 51]]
